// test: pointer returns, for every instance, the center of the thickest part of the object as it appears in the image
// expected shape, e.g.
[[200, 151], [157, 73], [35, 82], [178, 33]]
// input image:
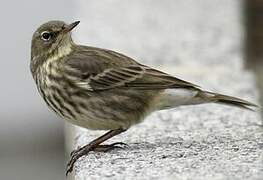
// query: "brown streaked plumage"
[[102, 89]]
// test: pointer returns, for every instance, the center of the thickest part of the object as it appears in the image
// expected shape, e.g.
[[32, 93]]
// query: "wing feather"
[[137, 77], [112, 78]]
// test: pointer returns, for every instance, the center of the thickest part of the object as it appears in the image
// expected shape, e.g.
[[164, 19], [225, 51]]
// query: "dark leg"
[[93, 146]]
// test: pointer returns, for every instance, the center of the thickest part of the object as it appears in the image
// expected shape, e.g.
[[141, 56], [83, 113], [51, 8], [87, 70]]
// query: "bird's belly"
[[102, 110], [87, 114], [95, 123], [103, 113], [110, 110]]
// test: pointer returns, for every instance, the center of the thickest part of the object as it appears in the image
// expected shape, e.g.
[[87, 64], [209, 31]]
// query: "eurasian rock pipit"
[[104, 90]]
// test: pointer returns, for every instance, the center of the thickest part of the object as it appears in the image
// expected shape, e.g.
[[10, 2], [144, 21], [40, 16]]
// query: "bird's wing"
[[135, 77], [104, 70]]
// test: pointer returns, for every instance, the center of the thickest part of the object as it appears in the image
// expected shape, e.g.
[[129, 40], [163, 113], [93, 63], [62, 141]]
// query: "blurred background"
[[253, 50], [31, 137]]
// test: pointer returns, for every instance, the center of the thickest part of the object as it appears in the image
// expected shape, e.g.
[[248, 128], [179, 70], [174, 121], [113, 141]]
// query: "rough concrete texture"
[[197, 40]]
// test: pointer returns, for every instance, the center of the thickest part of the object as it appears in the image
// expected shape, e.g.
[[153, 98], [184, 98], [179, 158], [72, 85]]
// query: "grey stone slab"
[[197, 40]]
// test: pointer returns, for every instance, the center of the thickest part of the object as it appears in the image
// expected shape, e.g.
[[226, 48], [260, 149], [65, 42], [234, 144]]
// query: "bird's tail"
[[228, 100]]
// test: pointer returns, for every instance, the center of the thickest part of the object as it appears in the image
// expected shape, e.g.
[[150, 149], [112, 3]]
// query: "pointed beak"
[[71, 26]]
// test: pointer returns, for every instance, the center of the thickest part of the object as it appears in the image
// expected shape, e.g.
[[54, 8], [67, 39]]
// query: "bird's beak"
[[71, 26]]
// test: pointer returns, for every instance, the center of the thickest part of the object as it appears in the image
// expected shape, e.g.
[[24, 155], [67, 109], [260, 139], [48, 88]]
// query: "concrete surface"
[[199, 41]]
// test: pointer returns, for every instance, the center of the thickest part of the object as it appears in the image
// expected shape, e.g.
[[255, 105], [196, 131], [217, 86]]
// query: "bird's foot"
[[76, 154], [109, 147]]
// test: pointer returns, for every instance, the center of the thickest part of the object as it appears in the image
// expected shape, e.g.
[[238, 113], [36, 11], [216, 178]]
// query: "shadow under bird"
[[101, 89]]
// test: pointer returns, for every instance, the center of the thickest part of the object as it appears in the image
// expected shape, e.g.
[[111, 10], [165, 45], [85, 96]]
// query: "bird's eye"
[[46, 36]]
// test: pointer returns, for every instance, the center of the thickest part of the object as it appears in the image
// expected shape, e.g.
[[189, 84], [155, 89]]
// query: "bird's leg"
[[94, 146]]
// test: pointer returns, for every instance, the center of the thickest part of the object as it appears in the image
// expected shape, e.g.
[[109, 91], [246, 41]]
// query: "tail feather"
[[228, 100]]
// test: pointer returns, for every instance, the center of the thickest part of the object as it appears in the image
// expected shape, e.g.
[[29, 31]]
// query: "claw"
[[75, 155], [120, 143], [73, 152], [70, 165], [108, 147]]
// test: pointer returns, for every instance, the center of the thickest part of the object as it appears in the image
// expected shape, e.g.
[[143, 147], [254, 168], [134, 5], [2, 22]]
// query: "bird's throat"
[[60, 52]]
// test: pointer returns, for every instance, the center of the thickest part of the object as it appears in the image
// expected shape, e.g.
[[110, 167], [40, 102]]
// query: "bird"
[[100, 89]]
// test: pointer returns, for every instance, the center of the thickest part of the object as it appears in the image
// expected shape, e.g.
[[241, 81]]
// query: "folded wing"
[[136, 77]]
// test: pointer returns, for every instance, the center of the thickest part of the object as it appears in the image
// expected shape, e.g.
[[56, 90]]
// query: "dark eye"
[[46, 36]]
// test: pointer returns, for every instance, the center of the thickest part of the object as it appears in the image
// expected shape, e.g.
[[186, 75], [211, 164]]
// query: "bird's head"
[[50, 37]]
